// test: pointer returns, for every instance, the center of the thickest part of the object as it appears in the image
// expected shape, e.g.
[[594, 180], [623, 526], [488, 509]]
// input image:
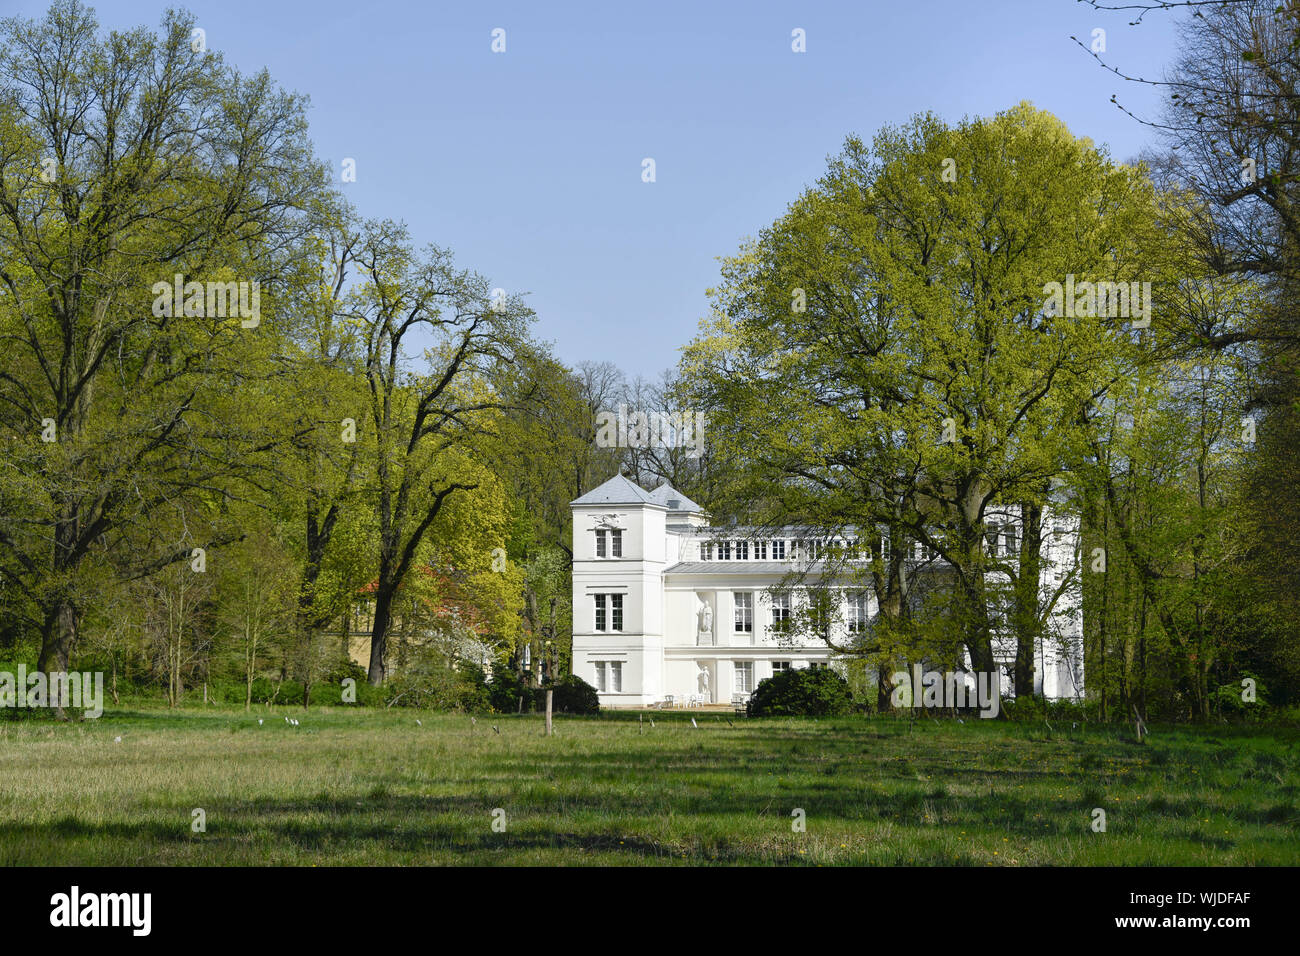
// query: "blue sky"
[[527, 163]]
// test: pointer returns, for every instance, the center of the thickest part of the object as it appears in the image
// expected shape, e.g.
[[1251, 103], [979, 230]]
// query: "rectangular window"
[[744, 677], [884, 549], [609, 612], [857, 612], [706, 550], [744, 612], [760, 550], [780, 611], [742, 550], [779, 666], [991, 534], [600, 676], [724, 551], [1009, 540], [778, 550], [616, 544], [602, 547], [616, 676]]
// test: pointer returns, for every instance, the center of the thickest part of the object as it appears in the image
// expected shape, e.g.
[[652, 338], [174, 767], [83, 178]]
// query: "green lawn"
[[366, 787]]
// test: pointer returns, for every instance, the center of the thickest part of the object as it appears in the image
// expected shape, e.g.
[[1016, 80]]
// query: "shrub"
[[573, 695], [339, 670], [474, 694], [812, 692], [1227, 701], [504, 690], [439, 686], [290, 695], [230, 692], [1035, 709]]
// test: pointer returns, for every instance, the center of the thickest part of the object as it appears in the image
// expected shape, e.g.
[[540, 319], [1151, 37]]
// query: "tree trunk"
[[59, 633], [58, 637], [1026, 607], [970, 586], [979, 642], [884, 689], [379, 632], [309, 643], [250, 668]]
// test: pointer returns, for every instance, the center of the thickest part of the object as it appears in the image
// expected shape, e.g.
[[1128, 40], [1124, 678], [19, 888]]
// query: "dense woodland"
[[202, 501]]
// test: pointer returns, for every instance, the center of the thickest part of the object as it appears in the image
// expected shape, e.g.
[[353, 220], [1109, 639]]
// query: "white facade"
[[663, 607]]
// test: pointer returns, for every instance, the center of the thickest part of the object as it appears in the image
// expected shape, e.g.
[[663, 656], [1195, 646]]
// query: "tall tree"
[[125, 161], [429, 419], [1230, 124], [886, 357]]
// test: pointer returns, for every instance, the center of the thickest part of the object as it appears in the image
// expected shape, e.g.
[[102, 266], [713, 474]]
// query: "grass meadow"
[[375, 787]]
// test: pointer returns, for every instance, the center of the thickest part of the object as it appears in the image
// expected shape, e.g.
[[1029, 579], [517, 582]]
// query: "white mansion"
[[665, 605]]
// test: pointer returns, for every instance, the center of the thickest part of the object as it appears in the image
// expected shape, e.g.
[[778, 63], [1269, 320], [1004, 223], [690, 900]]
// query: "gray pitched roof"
[[617, 491], [666, 494]]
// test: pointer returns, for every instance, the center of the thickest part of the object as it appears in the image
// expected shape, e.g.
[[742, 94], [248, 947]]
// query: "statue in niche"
[[706, 623], [704, 682]]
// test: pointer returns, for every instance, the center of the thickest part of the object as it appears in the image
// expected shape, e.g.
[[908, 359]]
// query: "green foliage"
[[178, 432], [504, 690], [922, 377], [806, 692], [1029, 709], [439, 686], [572, 695], [340, 670], [116, 489], [1229, 700]]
